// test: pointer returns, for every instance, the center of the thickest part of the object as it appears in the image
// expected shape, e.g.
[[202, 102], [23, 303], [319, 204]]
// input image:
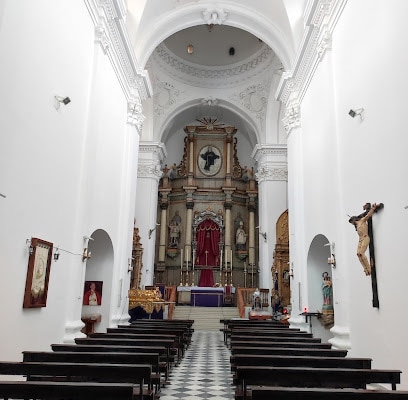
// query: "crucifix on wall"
[[364, 228]]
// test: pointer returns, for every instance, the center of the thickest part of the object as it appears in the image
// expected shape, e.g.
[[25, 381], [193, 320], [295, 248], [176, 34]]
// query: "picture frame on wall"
[[92, 293], [38, 273]]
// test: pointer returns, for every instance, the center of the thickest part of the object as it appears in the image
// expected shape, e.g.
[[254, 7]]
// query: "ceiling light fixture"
[[190, 49]]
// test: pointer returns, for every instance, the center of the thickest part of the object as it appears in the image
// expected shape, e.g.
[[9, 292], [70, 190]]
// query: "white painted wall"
[[346, 162], [65, 172]]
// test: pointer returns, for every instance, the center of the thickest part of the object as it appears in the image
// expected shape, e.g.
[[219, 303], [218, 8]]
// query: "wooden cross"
[[367, 207]]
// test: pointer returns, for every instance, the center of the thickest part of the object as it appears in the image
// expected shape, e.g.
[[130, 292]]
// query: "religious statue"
[[175, 230], [327, 290], [240, 237], [361, 225], [256, 300]]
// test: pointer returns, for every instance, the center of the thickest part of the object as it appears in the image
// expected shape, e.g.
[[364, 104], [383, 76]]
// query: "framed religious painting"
[[209, 160], [92, 293], [38, 273]]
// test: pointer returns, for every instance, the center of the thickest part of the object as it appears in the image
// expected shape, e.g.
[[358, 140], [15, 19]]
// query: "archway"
[[318, 272], [99, 272]]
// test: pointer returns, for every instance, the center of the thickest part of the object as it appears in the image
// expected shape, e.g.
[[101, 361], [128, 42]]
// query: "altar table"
[[198, 296]]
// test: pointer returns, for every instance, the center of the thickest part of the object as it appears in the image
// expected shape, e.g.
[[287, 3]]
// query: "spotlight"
[[231, 51]]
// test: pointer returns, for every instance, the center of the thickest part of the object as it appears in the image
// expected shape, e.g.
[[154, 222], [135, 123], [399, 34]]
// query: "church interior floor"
[[204, 372]]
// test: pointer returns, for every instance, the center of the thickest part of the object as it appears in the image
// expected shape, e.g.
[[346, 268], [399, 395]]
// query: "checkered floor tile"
[[204, 372]]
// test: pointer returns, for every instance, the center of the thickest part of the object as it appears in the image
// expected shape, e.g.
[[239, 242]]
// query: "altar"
[[199, 296]]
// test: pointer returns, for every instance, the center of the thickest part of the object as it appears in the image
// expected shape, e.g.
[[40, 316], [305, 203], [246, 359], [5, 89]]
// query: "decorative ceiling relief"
[[166, 95], [202, 76], [214, 16], [255, 99]]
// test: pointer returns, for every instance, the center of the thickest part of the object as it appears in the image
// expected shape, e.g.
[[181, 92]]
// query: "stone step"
[[205, 318]]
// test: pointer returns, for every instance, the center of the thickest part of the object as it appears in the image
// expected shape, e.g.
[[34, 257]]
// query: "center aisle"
[[204, 372]]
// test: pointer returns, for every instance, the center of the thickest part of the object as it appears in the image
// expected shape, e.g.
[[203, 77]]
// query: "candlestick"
[[231, 261]]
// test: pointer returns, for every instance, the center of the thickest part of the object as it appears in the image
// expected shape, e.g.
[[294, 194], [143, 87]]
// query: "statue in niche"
[[327, 291], [175, 230], [172, 174], [240, 237]]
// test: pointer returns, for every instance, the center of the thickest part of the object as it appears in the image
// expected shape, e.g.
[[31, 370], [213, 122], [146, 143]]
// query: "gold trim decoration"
[[149, 300]]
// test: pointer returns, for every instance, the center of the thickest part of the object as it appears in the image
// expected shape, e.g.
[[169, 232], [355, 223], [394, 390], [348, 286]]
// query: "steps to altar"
[[206, 318]]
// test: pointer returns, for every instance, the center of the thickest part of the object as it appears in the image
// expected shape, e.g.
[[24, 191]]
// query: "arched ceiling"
[[239, 45]]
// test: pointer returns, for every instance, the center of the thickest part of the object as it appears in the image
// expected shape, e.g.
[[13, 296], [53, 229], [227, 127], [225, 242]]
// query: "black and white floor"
[[204, 372]]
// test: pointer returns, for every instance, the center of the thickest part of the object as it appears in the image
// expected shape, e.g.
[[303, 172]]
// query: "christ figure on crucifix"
[[360, 223]]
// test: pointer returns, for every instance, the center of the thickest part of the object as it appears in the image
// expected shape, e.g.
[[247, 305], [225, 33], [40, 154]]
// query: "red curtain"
[[208, 239]]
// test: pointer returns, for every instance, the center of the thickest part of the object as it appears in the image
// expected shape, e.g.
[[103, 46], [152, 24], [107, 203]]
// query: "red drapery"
[[208, 239]]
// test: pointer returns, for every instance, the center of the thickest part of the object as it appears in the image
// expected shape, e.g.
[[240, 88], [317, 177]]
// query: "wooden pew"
[[99, 357], [178, 344], [168, 343], [180, 330], [229, 324], [268, 393], [274, 338], [269, 331], [298, 361], [289, 351], [66, 390], [162, 351], [312, 377], [295, 344], [95, 372]]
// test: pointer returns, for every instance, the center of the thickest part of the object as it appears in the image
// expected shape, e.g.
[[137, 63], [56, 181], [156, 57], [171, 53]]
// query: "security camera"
[[352, 113], [66, 100]]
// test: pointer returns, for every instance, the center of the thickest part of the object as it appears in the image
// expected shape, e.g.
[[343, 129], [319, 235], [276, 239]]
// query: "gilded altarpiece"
[[209, 179], [281, 272]]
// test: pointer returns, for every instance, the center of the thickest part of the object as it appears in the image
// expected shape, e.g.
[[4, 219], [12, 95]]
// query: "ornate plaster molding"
[[291, 119], [321, 17], [135, 116], [266, 173], [213, 77], [214, 16], [149, 169], [152, 150], [110, 32], [166, 95]]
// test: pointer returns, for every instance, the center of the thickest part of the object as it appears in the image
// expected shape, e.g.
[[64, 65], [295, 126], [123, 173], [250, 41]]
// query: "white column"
[[149, 173], [272, 188]]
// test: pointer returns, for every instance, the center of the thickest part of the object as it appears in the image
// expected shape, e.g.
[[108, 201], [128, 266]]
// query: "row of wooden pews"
[[125, 363], [269, 360]]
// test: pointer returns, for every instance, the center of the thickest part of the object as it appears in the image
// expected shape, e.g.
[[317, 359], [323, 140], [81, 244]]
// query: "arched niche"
[[99, 270], [317, 265]]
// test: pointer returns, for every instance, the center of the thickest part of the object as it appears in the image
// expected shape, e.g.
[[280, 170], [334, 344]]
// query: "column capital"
[[272, 162], [151, 154]]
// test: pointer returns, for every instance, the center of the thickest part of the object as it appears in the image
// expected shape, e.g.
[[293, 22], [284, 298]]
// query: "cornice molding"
[[152, 150], [263, 153], [212, 77], [110, 32], [321, 17]]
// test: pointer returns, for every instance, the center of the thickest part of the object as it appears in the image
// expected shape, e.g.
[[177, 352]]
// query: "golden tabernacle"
[[149, 300]]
